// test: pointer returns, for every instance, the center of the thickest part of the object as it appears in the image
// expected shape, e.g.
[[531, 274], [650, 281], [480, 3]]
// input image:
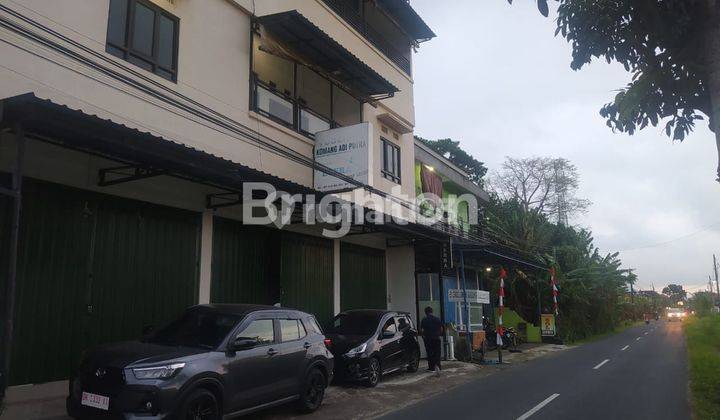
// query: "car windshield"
[[674, 311], [355, 323], [196, 328]]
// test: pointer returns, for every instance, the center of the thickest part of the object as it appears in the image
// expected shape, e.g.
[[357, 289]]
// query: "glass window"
[[196, 328], [311, 123], [355, 323], [260, 330], [275, 72], [166, 40], [390, 326], [117, 24], [403, 323], [312, 324], [291, 329], [391, 161], [143, 30], [273, 105], [145, 35], [313, 92], [346, 109]]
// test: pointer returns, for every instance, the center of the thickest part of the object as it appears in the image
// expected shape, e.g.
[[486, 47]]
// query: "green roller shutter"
[[242, 264], [306, 274], [5, 220], [94, 268], [363, 282]]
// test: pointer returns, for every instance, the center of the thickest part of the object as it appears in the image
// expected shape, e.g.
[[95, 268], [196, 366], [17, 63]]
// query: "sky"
[[498, 80]]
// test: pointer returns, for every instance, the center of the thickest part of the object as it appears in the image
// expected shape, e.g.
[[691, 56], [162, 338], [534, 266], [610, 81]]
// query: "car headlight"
[[158, 372], [357, 350]]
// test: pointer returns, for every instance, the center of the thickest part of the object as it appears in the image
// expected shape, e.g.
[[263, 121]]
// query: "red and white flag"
[[554, 289], [501, 306]]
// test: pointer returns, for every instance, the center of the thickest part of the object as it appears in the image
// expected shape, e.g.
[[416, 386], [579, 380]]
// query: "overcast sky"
[[498, 80]]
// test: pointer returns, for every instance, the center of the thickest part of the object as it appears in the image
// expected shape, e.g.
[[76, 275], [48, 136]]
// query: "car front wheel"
[[201, 404], [313, 391], [374, 373], [414, 361]]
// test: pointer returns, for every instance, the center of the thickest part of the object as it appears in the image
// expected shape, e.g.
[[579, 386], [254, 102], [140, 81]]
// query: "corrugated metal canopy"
[[307, 40], [59, 124], [408, 18]]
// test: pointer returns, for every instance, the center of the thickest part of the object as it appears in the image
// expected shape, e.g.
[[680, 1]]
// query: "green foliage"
[[667, 47], [660, 43], [675, 293], [451, 150], [703, 344], [702, 303], [594, 296]]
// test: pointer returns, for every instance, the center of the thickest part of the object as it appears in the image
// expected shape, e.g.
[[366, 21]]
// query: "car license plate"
[[96, 401]]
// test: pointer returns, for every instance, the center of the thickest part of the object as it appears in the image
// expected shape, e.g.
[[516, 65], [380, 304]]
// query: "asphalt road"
[[640, 373]]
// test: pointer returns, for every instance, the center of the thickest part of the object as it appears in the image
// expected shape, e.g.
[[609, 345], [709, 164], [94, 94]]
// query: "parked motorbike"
[[510, 337]]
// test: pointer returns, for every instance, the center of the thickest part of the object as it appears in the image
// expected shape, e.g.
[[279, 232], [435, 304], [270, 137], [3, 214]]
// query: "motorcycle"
[[510, 337]]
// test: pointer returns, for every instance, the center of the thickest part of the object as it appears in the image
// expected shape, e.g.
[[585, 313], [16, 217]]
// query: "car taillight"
[[328, 342]]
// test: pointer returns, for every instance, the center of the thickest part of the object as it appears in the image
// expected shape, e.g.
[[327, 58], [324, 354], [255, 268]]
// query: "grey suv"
[[213, 361]]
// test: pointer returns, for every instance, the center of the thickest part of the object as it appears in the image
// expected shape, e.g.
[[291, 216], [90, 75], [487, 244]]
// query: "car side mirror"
[[243, 343], [387, 334], [147, 330]]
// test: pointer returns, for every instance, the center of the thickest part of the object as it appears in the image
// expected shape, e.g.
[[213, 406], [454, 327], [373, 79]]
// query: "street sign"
[[473, 296], [547, 325]]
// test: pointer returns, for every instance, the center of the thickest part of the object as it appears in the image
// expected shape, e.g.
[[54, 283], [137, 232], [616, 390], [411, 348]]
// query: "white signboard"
[[474, 296], [345, 150]]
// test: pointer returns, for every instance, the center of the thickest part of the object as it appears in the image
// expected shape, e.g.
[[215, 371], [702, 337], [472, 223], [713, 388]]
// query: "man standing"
[[431, 329]]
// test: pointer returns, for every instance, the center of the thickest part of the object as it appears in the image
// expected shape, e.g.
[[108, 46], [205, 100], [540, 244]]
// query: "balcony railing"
[[351, 16]]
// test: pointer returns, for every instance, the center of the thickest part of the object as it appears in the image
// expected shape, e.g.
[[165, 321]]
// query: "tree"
[[451, 150], [672, 49], [675, 293], [541, 185], [702, 303]]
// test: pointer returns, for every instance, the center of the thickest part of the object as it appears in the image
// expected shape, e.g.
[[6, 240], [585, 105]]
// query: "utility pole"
[[715, 268]]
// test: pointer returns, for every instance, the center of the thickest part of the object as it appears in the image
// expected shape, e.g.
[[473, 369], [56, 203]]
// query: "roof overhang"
[[305, 39], [427, 156], [395, 123], [408, 19], [55, 123]]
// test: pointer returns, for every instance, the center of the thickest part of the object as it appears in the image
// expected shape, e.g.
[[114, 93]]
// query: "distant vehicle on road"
[[370, 343], [213, 361], [675, 314]]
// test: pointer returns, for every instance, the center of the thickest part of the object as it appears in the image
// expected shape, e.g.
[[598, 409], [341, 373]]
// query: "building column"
[[336, 276], [206, 243]]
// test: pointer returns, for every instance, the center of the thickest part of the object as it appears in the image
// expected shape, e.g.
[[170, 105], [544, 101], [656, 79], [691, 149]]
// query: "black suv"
[[368, 343], [214, 360]]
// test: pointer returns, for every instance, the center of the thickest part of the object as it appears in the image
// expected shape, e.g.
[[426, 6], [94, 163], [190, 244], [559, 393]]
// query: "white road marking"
[[645, 333], [538, 407], [638, 339], [601, 364], [625, 348]]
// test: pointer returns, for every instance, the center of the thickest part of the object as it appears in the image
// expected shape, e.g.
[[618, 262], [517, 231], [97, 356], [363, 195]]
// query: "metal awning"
[[45, 120], [408, 19], [58, 124], [316, 47]]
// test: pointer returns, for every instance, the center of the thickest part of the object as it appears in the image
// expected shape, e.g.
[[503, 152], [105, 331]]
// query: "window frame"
[[127, 49], [299, 325], [385, 170], [294, 98], [244, 326], [386, 322]]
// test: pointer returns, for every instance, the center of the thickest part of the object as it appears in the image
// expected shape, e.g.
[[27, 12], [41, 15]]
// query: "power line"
[[709, 227]]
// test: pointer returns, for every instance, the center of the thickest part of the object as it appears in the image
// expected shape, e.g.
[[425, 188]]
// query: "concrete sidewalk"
[[346, 401]]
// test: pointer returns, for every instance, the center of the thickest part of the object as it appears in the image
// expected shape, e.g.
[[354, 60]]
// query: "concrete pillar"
[[336, 276], [206, 243]]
